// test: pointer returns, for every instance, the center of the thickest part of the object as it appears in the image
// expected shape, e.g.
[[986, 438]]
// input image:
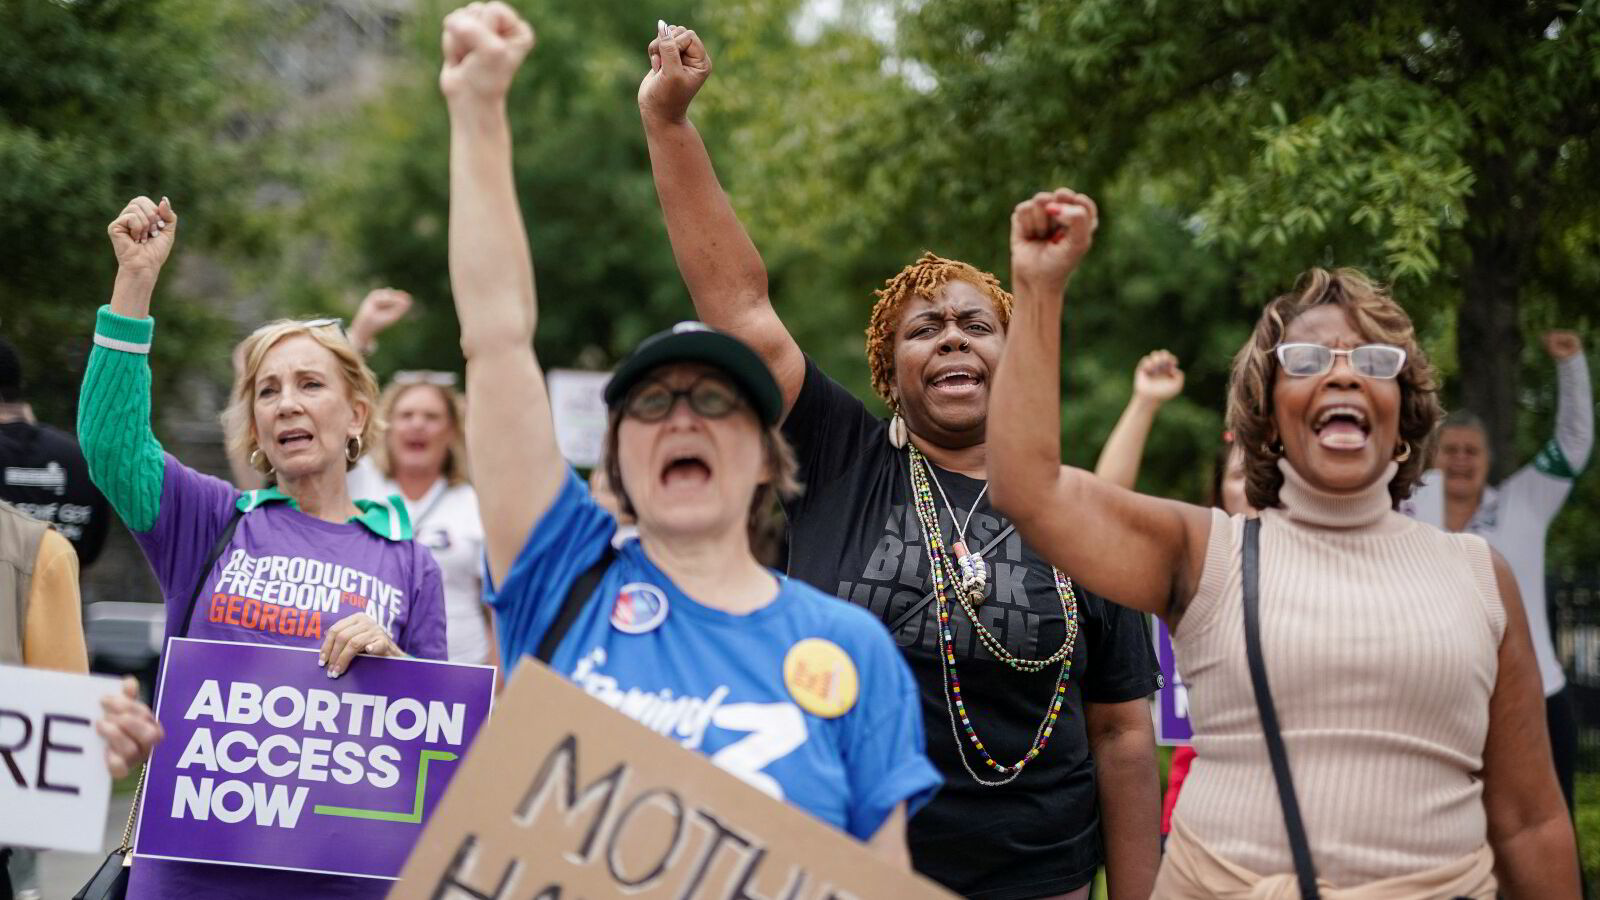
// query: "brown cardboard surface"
[[562, 797]]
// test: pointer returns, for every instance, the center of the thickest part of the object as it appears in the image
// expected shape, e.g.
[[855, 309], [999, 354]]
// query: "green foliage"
[[100, 101]]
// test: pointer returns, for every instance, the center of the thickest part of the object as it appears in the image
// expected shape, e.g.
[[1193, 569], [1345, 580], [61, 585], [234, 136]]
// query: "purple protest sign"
[[268, 762], [1172, 720]]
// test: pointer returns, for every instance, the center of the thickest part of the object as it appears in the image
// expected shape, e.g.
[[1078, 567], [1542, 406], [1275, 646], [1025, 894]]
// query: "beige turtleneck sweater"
[[1381, 637]]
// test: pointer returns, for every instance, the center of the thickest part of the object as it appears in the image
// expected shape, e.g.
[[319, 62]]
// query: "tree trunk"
[[1489, 345]]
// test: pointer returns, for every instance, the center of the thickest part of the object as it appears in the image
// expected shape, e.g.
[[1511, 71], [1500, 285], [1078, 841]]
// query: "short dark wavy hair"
[[1378, 318]]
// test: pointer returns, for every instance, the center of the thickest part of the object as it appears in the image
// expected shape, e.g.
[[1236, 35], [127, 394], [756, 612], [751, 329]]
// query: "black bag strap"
[[211, 560], [923, 603], [1304, 870], [572, 604]]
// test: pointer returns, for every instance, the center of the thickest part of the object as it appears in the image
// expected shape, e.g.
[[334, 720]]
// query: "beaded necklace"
[[943, 572]]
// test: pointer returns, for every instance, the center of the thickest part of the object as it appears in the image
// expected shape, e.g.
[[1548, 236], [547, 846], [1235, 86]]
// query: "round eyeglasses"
[[708, 397], [1370, 360]]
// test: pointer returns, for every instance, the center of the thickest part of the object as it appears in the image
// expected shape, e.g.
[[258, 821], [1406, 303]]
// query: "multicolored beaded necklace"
[[943, 572]]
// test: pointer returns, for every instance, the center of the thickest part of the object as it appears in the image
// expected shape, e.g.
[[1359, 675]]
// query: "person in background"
[[684, 612], [422, 458], [1035, 690], [302, 411], [41, 627], [1398, 655], [1515, 516], [42, 472]]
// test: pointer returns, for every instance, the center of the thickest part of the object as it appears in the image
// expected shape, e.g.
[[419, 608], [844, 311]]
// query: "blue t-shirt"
[[714, 681]]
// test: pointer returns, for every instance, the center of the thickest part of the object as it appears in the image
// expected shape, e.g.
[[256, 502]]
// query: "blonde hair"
[[455, 458], [1378, 318], [238, 419], [922, 278]]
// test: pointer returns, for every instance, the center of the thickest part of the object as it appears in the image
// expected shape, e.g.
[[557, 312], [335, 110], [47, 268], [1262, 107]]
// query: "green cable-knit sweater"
[[126, 462]]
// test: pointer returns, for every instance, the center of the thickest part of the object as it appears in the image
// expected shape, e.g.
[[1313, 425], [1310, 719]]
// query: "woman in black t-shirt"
[[1033, 690]]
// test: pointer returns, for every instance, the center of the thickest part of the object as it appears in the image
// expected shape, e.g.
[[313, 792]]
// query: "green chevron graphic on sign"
[[415, 816]]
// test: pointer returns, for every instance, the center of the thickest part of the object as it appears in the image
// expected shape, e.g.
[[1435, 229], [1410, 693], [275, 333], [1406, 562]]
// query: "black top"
[[855, 533], [43, 473]]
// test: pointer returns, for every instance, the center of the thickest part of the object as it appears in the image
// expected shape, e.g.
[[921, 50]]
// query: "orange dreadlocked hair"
[[922, 278]]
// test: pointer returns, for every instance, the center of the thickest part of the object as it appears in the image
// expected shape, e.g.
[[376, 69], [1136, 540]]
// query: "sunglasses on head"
[[1370, 360], [326, 322], [424, 376], [709, 396]]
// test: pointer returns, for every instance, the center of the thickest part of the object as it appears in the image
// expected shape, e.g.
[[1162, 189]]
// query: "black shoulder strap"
[[211, 560], [1298, 846], [577, 595]]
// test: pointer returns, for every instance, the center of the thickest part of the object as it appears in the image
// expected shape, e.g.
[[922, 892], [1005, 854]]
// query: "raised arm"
[[1143, 552], [125, 459], [1156, 380], [723, 269], [510, 435], [1569, 450]]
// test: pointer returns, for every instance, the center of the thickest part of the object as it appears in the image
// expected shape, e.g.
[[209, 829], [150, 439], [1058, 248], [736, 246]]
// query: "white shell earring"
[[897, 432]]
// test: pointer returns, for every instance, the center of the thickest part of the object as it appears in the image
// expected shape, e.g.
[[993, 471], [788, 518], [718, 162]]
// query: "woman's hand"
[[1158, 377], [1050, 233], [484, 44], [355, 633], [380, 309], [142, 236], [679, 67], [129, 728], [1561, 344]]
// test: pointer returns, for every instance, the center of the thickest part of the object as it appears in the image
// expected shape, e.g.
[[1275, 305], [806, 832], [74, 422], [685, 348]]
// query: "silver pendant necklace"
[[974, 571]]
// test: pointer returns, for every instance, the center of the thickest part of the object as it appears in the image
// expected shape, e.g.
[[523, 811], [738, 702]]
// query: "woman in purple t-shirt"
[[300, 563]]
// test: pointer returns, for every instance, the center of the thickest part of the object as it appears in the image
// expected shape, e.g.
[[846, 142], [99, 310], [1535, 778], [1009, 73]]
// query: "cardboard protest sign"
[[1172, 700], [563, 797], [53, 780], [268, 762]]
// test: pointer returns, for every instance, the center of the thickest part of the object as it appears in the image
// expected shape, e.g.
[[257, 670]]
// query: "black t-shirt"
[[43, 474], [855, 533]]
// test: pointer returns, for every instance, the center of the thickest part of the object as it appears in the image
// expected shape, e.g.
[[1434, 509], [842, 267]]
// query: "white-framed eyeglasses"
[[1371, 360]]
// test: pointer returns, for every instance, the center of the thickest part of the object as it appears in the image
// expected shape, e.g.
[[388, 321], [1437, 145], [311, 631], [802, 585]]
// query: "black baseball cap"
[[699, 342]]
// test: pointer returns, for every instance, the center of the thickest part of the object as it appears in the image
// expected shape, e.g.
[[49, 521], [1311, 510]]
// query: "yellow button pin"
[[821, 677]]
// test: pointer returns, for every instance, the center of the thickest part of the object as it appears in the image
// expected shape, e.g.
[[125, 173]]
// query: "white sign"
[[54, 785], [577, 400]]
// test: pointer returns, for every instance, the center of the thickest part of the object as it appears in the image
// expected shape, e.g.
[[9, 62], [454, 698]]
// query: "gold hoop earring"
[[348, 455], [1404, 454], [255, 462], [1273, 449]]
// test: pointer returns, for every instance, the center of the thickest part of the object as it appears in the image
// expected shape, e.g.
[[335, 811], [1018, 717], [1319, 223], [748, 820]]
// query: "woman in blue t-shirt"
[[799, 695]]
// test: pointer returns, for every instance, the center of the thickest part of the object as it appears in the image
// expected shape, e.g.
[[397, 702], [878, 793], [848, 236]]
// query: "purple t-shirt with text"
[[284, 578]]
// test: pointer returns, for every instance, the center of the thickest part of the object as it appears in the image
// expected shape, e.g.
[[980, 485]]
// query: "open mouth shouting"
[[294, 439], [957, 381], [1341, 426], [685, 470]]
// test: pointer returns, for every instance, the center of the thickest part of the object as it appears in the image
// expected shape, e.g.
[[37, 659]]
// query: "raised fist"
[[1562, 344], [381, 308], [1050, 233], [484, 43], [1158, 377], [679, 65], [142, 235]]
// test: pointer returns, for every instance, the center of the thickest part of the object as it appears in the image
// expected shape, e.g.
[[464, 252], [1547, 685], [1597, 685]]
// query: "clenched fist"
[[1562, 344], [1050, 233], [1158, 377], [142, 236], [484, 43], [679, 66]]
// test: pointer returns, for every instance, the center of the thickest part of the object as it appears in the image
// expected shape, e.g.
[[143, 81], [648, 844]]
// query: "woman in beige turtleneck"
[[1398, 654]]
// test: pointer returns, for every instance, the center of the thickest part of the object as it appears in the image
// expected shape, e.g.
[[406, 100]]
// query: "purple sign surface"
[[1172, 719], [268, 762]]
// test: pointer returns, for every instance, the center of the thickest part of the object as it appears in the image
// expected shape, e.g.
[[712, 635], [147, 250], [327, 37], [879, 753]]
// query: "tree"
[[104, 100]]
